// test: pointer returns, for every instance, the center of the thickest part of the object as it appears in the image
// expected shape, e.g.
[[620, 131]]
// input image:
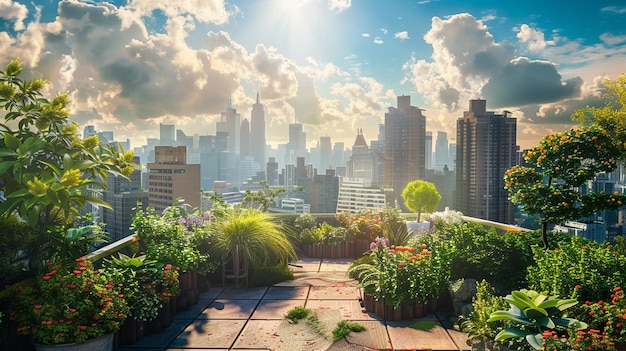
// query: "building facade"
[[486, 148], [171, 179], [357, 194], [405, 146]]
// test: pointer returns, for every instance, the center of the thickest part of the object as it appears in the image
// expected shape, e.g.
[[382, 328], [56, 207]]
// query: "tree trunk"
[[544, 235]]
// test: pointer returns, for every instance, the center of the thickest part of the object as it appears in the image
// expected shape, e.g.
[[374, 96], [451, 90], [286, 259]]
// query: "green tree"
[[47, 172], [261, 199], [552, 185], [421, 196], [611, 116]]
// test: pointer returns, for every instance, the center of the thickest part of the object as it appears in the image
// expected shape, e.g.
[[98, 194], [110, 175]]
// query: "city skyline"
[[334, 66]]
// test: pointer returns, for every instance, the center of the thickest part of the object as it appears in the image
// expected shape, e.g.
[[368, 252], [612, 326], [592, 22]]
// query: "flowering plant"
[[404, 274], [68, 304], [608, 317], [146, 284]]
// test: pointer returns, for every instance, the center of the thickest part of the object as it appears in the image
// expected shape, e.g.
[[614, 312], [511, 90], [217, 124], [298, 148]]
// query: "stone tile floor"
[[253, 319]]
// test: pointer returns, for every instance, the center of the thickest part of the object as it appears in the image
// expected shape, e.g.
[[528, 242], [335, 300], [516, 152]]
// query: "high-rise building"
[[170, 178], [405, 146], [297, 143], [125, 197], [428, 153], [167, 134], [230, 126], [485, 149], [338, 154], [357, 194], [441, 151], [89, 131], [244, 142], [362, 162], [272, 172], [324, 192], [257, 137], [326, 153]]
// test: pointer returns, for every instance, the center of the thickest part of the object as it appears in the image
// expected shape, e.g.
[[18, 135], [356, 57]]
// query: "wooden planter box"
[[189, 292], [403, 312], [351, 250]]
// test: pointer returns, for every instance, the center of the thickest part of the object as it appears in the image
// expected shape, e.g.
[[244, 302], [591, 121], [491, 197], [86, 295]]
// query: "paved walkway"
[[253, 319]]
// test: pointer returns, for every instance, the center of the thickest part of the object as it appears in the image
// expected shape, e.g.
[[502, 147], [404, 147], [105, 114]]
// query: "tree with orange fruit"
[[552, 185]]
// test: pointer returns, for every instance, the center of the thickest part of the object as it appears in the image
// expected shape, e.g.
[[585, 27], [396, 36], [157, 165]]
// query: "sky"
[[333, 65]]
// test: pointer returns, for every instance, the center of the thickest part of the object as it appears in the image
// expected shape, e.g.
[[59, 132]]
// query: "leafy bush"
[[484, 303], [399, 274], [607, 317], [578, 265]]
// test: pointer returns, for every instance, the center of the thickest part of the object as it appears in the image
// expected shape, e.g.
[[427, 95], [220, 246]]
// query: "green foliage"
[[261, 199], [484, 303], [256, 235], [562, 162], [145, 284], [578, 266], [399, 274], [531, 314], [47, 172], [421, 196], [607, 316], [344, 328], [482, 253], [611, 116], [16, 235], [167, 240], [270, 274], [68, 304], [297, 313]]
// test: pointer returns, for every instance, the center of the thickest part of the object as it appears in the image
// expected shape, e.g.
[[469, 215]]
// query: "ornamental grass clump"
[[68, 304], [404, 274]]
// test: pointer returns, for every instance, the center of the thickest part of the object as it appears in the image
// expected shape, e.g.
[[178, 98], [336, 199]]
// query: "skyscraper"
[[405, 146], [362, 162], [486, 148], [297, 142], [324, 192], [257, 136], [441, 151], [167, 133], [428, 153], [244, 142]]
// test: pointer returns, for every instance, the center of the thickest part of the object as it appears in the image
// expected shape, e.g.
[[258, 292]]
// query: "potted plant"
[[69, 304], [399, 279]]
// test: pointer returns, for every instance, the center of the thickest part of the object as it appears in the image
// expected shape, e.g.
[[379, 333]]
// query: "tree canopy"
[[421, 196], [552, 183]]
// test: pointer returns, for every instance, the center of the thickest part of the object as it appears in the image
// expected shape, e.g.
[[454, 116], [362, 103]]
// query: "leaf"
[[67, 162], [565, 304], [510, 333], [507, 316], [5, 166], [7, 152], [535, 313], [17, 193], [11, 141], [535, 341]]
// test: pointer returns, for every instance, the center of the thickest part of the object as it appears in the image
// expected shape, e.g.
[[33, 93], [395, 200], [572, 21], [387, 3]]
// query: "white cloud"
[[614, 9], [207, 11], [402, 35], [378, 41], [365, 35], [611, 39], [385, 31], [339, 5], [534, 39], [10, 10]]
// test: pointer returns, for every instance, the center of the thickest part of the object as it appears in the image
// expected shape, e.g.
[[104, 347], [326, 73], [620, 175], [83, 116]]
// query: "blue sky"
[[334, 65]]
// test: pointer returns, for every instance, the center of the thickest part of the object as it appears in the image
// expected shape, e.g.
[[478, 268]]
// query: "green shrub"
[[484, 303], [589, 269]]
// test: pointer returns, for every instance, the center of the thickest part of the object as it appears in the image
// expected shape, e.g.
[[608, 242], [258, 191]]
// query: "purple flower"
[[373, 246]]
